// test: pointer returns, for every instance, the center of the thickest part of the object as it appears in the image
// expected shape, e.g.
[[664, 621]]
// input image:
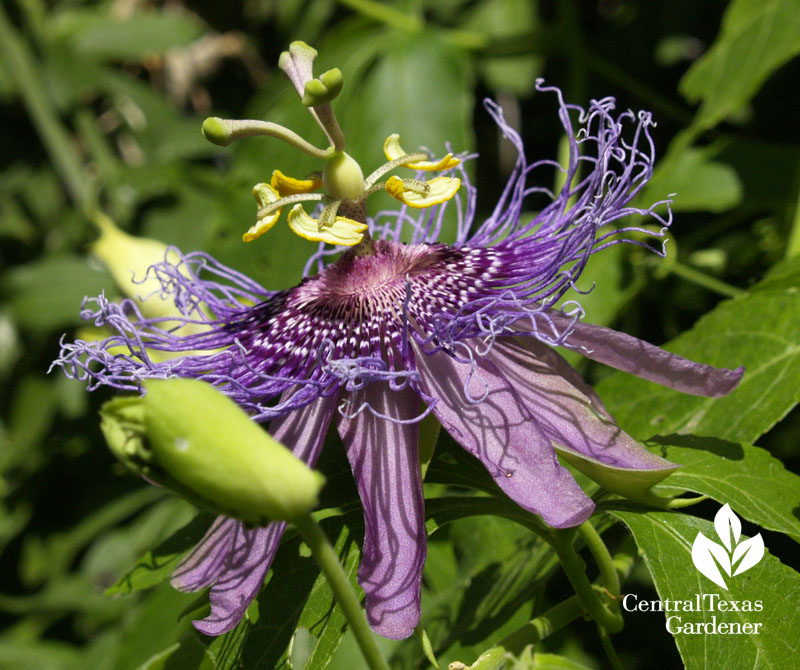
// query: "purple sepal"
[[630, 354], [251, 554], [209, 558], [566, 408], [383, 456], [486, 415]]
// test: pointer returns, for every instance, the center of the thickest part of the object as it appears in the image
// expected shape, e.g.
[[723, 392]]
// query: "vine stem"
[[328, 561], [701, 279], [793, 246], [574, 569], [595, 544], [385, 14]]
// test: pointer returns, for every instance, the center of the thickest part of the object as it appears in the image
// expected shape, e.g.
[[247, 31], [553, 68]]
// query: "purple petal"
[[647, 361], [566, 408], [206, 562], [385, 463], [252, 553], [235, 558], [503, 434]]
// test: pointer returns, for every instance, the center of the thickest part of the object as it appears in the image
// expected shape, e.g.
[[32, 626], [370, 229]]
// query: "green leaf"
[[47, 294], [42, 655], [423, 86], [53, 556], [136, 37], [441, 511], [420, 87], [755, 484], [698, 182], [528, 660], [154, 627], [499, 20], [759, 330], [757, 37], [156, 566], [665, 540]]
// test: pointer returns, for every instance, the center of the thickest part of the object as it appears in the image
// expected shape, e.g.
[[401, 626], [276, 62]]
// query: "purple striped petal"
[[572, 416], [385, 463], [206, 562], [647, 361], [236, 559], [503, 434], [252, 553]]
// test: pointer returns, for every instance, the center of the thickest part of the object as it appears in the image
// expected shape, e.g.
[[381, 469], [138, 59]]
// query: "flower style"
[[376, 340]]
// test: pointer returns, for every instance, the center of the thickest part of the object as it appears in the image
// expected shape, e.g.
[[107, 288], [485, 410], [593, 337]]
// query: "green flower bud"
[[128, 259], [343, 178], [187, 436], [216, 131]]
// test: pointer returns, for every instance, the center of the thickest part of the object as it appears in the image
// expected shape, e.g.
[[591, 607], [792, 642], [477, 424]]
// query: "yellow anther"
[[343, 231], [392, 150], [290, 186], [264, 195], [440, 189]]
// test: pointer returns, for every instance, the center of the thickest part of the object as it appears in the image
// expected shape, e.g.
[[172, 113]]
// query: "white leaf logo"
[[709, 556], [750, 551], [726, 524], [703, 553]]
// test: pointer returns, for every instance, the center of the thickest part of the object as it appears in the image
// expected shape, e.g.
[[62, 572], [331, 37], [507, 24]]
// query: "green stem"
[[608, 647], [26, 75], [224, 131], [793, 247], [384, 13], [329, 563], [605, 562], [701, 279], [574, 569]]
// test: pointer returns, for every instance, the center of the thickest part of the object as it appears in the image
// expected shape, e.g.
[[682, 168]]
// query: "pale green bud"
[[343, 178], [187, 436], [216, 131], [128, 259]]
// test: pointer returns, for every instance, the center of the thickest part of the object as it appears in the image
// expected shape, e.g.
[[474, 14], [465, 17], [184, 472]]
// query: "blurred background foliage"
[[101, 105]]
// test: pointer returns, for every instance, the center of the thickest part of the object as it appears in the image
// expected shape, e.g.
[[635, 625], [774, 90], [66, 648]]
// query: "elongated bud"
[[187, 436], [343, 177], [128, 259]]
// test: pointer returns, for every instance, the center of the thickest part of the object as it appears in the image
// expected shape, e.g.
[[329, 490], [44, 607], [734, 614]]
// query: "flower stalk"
[[326, 558], [701, 279], [562, 542]]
